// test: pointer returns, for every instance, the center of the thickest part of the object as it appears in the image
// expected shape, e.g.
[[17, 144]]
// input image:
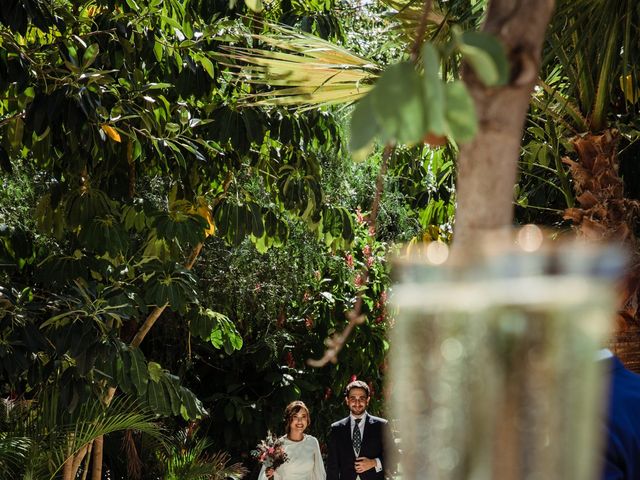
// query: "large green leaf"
[[85, 204], [104, 235], [434, 95], [364, 126], [170, 284], [158, 398], [185, 228], [461, 114], [192, 408], [139, 370], [397, 104]]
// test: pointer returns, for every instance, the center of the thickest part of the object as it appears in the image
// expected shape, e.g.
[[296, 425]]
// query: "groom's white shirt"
[[603, 354]]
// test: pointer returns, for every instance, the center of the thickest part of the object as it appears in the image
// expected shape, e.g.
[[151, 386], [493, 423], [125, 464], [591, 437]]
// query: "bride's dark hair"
[[291, 410]]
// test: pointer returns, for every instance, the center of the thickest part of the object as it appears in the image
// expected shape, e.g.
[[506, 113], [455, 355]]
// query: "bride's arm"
[[318, 465]]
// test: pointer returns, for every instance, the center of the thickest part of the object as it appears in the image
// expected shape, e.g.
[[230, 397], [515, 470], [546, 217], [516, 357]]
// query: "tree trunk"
[[67, 469], [603, 213], [96, 465], [487, 166], [86, 463]]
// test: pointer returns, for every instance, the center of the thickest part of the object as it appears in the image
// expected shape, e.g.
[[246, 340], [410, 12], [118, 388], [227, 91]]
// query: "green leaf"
[[155, 371], [434, 96], [157, 85], [397, 104], [364, 126], [158, 50], [123, 373], [255, 5], [207, 65], [171, 21], [486, 55], [193, 406], [461, 113], [139, 371], [172, 386], [158, 398], [90, 55]]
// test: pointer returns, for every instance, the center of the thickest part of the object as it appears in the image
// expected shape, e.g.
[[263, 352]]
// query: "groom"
[[622, 455], [356, 443]]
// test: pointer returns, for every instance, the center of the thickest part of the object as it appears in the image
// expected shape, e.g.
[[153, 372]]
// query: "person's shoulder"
[[374, 419], [310, 438], [624, 379], [340, 423]]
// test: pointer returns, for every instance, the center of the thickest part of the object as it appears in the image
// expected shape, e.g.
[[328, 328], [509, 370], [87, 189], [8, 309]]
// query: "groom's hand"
[[363, 464]]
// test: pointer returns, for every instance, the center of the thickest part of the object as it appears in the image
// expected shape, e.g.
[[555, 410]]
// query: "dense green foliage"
[[137, 185], [133, 185]]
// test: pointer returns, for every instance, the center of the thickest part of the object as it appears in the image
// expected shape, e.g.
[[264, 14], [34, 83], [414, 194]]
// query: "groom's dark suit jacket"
[[622, 456], [341, 460]]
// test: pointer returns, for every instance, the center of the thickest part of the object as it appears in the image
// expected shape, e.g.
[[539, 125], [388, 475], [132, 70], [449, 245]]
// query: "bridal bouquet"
[[270, 452]]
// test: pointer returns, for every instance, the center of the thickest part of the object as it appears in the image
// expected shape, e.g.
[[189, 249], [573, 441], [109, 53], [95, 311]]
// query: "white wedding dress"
[[305, 461]]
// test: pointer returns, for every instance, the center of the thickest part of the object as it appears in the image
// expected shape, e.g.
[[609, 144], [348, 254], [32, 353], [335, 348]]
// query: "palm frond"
[[442, 16], [299, 69], [186, 459], [95, 420], [13, 452], [562, 103], [55, 435], [607, 71], [408, 15], [595, 41]]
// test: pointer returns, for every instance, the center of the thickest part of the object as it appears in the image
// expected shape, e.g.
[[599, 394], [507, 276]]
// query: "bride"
[[303, 451]]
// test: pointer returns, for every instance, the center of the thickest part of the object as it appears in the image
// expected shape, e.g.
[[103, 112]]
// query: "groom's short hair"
[[356, 384]]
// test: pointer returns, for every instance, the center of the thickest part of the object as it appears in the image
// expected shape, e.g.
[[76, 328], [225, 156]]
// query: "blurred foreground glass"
[[493, 361]]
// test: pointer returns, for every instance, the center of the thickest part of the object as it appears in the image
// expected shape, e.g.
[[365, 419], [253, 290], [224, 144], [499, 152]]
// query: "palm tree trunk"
[[68, 473], [96, 469], [604, 214], [487, 166], [67, 470], [86, 463], [77, 460]]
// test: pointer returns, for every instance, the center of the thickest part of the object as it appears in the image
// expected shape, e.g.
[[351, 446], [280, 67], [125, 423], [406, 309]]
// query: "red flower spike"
[[291, 363], [349, 260]]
